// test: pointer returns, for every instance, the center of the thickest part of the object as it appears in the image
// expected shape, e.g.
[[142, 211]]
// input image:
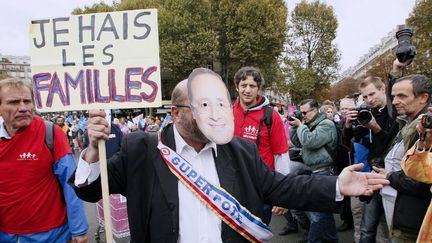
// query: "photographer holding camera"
[[313, 133], [371, 127]]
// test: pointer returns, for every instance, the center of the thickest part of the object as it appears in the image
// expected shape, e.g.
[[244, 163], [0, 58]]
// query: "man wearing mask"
[[197, 153]]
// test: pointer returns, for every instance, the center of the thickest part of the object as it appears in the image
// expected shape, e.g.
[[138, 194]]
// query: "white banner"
[[96, 61]]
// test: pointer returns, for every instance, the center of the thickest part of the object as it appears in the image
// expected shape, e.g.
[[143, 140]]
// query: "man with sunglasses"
[[316, 135]]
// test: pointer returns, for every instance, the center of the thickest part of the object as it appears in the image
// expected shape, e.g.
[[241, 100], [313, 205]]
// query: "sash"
[[225, 206]]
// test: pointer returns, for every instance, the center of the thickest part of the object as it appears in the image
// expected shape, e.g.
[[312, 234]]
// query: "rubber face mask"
[[211, 107]]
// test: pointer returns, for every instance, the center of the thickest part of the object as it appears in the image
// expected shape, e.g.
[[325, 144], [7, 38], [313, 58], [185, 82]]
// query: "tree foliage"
[[3, 75], [95, 8], [421, 22], [311, 60], [251, 33], [382, 66], [344, 88], [203, 32], [186, 38]]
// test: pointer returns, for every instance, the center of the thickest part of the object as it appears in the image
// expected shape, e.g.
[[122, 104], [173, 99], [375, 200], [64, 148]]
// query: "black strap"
[[267, 119]]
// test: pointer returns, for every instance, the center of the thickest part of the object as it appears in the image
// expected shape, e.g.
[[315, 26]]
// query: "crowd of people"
[[74, 125], [218, 171], [380, 129]]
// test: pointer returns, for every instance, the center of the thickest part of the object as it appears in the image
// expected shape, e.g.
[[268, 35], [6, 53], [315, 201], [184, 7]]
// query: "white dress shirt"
[[197, 222]]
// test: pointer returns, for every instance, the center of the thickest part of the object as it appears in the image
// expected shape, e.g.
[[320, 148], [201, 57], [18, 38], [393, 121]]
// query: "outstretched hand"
[[354, 183]]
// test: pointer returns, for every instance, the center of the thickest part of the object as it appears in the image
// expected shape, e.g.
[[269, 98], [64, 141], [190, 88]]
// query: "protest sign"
[[96, 61]]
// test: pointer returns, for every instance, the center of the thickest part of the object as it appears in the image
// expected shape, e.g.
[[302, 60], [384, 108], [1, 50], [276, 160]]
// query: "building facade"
[[387, 44], [16, 66]]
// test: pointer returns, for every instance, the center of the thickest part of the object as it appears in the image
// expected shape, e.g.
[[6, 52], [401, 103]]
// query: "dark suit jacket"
[[139, 173]]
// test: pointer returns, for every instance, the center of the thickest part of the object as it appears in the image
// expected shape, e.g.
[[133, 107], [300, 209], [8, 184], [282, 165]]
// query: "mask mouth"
[[219, 125]]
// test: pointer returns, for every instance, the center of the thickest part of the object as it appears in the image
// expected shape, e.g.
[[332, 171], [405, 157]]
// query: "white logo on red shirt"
[[250, 132], [27, 156]]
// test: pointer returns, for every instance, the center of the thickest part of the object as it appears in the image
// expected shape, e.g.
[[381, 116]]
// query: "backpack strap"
[[267, 119], [49, 135]]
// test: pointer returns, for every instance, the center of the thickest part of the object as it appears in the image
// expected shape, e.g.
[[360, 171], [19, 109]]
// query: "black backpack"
[[342, 155], [267, 119]]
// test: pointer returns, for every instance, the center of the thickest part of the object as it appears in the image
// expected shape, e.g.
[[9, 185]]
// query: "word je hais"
[[109, 26], [89, 87]]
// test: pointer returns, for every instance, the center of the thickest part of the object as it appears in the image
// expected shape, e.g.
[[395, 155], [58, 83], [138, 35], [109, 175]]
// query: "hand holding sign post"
[[96, 61]]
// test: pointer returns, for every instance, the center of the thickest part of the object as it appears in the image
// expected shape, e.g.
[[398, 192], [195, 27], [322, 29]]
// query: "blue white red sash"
[[225, 206]]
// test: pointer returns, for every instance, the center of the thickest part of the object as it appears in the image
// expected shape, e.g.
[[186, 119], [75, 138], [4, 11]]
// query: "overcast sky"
[[362, 23]]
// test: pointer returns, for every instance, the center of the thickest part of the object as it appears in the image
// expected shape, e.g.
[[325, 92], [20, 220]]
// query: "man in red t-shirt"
[[36, 203], [249, 110]]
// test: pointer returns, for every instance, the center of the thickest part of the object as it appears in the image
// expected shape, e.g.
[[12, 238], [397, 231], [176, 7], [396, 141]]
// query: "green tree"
[[201, 33], [95, 8], [346, 87], [250, 33], [186, 37], [382, 66], [138, 4], [421, 22], [311, 60], [3, 75]]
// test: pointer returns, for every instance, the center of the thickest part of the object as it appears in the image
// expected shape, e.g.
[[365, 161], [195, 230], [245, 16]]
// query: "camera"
[[405, 50], [364, 114], [295, 114], [426, 120], [377, 162]]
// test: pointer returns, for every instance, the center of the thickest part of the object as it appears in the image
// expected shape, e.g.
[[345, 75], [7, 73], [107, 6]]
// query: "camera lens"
[[364, 116]]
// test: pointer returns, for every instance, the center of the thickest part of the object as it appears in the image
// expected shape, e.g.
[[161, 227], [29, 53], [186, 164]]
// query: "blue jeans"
[[323, 226], [372, 213]]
